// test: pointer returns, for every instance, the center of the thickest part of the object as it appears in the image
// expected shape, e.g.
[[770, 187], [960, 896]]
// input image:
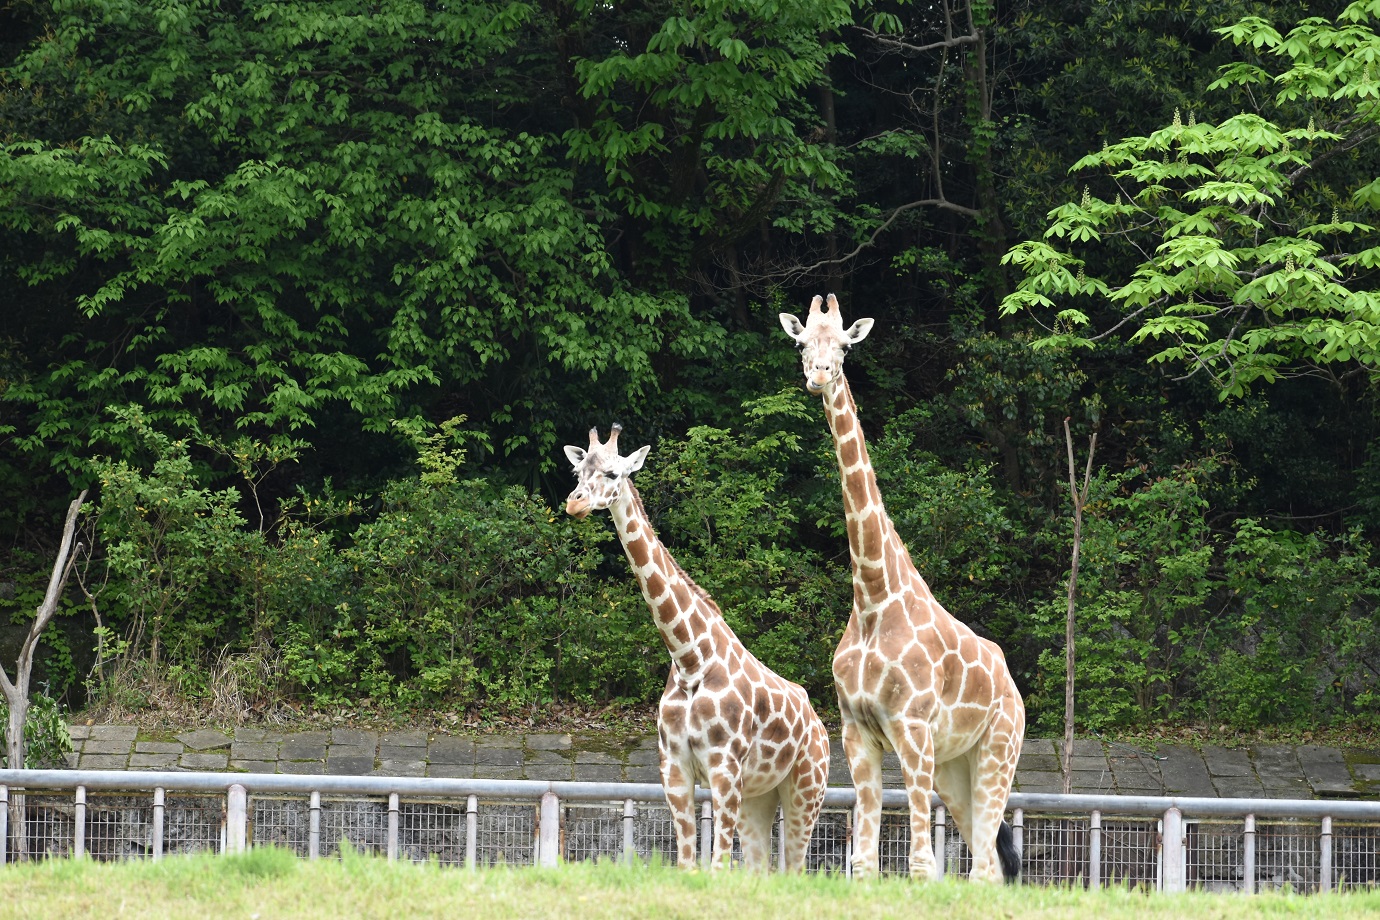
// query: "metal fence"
[[1152, 842]]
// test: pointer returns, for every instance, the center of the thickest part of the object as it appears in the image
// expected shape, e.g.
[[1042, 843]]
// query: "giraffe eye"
[[610, 476]]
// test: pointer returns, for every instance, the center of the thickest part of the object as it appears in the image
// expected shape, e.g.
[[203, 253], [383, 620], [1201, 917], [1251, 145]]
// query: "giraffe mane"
[[695, 588]]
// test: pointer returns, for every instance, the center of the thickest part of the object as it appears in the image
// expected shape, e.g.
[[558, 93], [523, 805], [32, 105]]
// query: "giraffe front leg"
[[726, 793], [680, 798], [865, 764], [915, 750]]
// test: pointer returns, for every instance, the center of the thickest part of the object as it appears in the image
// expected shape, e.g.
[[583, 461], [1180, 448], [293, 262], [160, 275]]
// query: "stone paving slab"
[[204, 761], [1325, 770], [1183, 771], [112, 733], [403, 739], [1227, 761], [204, 739], [1276, 771]]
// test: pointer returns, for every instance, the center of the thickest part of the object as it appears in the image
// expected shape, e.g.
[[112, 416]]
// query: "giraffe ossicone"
[[726, 721], [910, 676]]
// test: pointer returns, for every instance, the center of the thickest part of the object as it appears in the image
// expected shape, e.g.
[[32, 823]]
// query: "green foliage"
[[170, 543], [1143, 582], [700, 122], [47, 742], [1248, 249], [456, 592], [1298, 636], [280, 212], [1256, 627]]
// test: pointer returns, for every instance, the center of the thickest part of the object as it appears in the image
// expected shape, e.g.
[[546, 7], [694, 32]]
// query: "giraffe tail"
[[1007, 854]]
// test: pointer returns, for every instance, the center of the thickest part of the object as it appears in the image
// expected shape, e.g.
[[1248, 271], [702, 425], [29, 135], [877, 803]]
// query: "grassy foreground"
[[272, 883]]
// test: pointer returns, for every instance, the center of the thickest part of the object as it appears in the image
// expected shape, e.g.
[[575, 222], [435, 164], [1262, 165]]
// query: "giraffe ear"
[[858, 331], [794, 328], [574, 454], [635, 460]]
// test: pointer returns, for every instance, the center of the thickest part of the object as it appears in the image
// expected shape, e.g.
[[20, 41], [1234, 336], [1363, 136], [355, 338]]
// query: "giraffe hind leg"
[[802, 799]]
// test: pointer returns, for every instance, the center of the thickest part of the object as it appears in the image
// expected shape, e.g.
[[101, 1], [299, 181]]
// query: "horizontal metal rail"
[[835, 797], [1170, 842]]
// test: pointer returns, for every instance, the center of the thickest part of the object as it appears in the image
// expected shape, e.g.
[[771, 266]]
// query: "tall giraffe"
[[726, 721], [910, 676]]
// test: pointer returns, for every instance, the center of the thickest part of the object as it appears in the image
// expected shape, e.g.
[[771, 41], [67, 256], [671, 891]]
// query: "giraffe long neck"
[[881, 565], [690, 623]]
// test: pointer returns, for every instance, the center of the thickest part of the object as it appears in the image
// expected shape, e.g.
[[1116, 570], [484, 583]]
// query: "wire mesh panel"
[[49, 825], [1215, 854], [1355, 856], [359, 823], [432, 830], [1287, 855], [280, 822], [192, 823], [119, 827], [507, 834], [828, 850], [1055, 850], [958, 861], [893, 843], [654, 835], [1130, 852], [592, 832]]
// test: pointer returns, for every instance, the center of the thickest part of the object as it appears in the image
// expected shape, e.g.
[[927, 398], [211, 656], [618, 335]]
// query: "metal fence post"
[[1018, 833], [79, 822], [629, 840], [471, 830], [1172, 851], [848, 844], [1248, 857], [236, 818], [1095, 850], [4, 825], [156, 832], [1325, 855], [549, 830], [941, 852], [706, 834], [392, 826], [780, 840], [314, 826]]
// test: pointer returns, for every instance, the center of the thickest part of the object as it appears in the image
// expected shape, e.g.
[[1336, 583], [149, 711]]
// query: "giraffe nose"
[[577, 505]]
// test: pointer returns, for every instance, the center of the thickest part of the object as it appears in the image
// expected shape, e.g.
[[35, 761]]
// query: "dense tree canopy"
[[314, 292]]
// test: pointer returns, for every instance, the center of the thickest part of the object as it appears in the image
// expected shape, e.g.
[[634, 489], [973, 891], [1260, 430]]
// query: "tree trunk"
[[1080, 498], [17, 692]]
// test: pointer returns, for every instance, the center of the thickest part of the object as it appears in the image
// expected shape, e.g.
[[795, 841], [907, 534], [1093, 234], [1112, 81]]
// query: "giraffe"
[[910, 676], [726, 721]]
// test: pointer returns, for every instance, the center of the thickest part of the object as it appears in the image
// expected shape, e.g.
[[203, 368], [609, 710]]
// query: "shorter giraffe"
[[726, 721]]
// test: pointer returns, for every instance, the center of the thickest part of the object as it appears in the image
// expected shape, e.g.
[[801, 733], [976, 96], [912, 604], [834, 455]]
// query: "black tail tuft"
[[1007, 854]]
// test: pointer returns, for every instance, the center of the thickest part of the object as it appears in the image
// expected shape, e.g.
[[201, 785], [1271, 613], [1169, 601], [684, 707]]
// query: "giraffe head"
[[600, 472], [823, 341]]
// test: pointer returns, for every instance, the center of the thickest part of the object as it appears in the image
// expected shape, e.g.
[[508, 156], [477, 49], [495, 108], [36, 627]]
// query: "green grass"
[[271, 883]]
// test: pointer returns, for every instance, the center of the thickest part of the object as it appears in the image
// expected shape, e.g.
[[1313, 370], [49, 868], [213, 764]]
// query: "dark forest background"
[[312, 294]]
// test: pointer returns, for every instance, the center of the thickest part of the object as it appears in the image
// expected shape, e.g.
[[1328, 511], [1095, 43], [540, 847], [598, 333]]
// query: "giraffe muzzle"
[[577, 508]]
